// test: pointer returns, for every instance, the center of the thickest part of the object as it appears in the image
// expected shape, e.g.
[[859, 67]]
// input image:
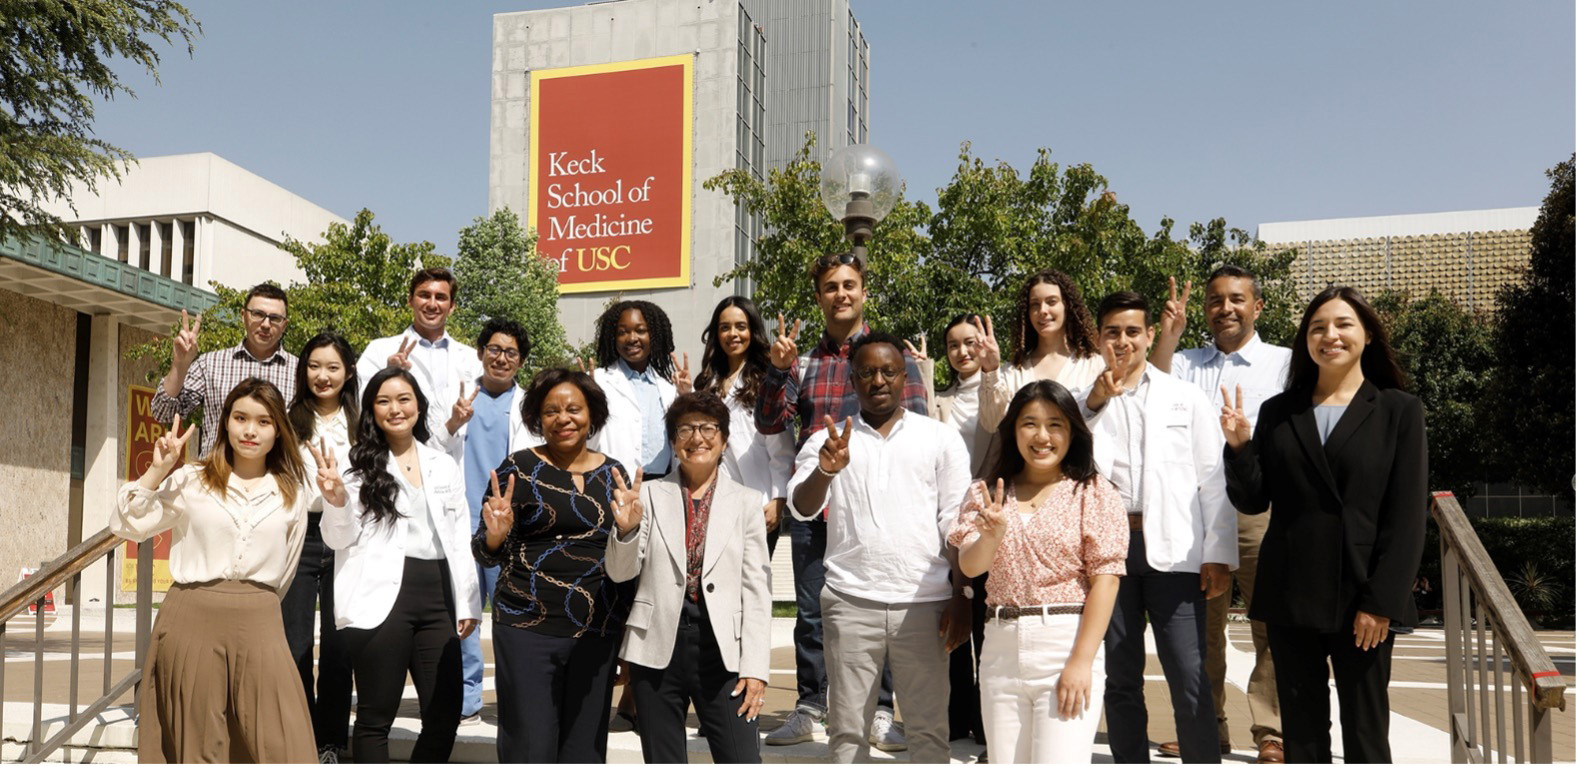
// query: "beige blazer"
[[982, 446], [734, 576]]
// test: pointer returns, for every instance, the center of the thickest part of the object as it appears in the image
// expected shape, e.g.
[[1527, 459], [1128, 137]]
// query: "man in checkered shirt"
[[205, 380]]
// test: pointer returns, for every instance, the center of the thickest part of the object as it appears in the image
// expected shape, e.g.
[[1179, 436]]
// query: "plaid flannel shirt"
[[210, 379], [818, 384]]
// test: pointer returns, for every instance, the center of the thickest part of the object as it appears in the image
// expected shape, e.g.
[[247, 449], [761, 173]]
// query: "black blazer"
[[1348, 517]]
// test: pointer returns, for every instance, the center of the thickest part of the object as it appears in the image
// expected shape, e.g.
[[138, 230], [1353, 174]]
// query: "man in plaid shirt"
[[206, 380], [807, 388]]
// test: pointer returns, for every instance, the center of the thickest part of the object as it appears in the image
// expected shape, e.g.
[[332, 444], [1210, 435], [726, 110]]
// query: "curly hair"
[[715, 362], [659, 332], [546, 381], [1079, 330]]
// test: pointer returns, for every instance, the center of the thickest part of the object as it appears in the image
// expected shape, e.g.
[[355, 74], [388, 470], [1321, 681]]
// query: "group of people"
[[986, 556]]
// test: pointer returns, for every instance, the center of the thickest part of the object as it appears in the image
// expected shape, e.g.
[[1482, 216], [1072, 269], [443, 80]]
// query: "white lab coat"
[[757, 461], [441, 387], [620, 438]]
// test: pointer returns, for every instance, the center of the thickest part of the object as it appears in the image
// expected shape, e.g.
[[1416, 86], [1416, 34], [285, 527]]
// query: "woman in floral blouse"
[[1051, 536]]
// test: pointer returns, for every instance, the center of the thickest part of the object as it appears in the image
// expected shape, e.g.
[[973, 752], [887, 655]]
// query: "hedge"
[[1547, 542]]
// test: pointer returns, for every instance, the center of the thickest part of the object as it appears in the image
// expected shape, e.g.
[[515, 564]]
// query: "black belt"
[[1016, 612]]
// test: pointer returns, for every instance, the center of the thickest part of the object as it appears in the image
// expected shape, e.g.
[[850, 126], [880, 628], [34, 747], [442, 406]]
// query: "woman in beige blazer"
[[698, 629]]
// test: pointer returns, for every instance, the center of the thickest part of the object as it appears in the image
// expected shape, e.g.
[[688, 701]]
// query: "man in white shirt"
[[444, 367], [892, 481], [1236, 361], [1157, 439]]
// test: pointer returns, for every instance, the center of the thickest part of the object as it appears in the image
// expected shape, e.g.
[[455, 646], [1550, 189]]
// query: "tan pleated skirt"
[[219, 685]]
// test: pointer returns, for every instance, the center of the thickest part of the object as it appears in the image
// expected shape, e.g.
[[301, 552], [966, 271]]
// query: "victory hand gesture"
[[402, 358], [168, 450], [462, 411], [1236, 427], [991, 355], [682, 373], [783, 352], [586, 365], [183, 348], [329, 482], [627, 503], [990, 521], [497, 514], [1174, 316], [1109, 384], [835, 453], [920, 355]]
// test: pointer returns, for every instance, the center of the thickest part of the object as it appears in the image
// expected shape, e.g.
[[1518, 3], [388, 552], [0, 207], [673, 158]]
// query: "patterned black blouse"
[[551, 577]]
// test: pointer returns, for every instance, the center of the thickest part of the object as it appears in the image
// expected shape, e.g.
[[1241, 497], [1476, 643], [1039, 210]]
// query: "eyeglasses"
[[707, 430], [868, 373], [509, 354], [264, 317]]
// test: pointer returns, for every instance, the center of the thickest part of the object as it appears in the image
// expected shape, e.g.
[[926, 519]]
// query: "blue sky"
[[1255, 112]]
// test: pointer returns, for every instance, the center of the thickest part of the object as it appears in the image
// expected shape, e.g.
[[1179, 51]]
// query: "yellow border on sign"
[[687, 63]]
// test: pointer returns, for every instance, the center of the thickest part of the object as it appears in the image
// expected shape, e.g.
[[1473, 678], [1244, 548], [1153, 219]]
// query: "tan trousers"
[[219, 685], [858, 636], [1262, 692]]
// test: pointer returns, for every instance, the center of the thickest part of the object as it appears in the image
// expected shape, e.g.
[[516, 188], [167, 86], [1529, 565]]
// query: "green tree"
[[56, 63], [1529, 409], [1448, 354], [501, 275]]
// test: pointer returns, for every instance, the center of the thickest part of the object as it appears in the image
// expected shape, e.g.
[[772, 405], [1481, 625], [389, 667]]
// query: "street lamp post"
[[860, 186]]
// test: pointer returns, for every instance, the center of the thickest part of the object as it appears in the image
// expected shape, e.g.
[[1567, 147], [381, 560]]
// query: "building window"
[[166, 248], [188, 250], [123, 243], [145, 237]]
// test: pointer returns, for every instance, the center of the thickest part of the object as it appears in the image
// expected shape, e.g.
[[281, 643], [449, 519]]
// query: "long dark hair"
[[370, 450], [1078, 463], [715, 362], [1079, 330], [1377, 362], [284, 460], [302, 411], [953, 374], [660, 335]]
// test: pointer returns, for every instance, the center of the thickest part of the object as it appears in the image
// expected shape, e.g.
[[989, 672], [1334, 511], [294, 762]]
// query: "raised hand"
[[497, 514], [329, 481], [1236, 427], [991, 355], [835, 453], [183, 348], [402, 358], [586, 365], [1109, 384], [461, 413], [991, 521], [783, 352], [682, 373], [1174, 314], [627, 504], [168, 450], [921, 354]]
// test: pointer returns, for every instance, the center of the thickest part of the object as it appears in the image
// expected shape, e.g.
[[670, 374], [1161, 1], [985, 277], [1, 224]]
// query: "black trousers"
[[695, 676], [964, 701], [554, 695], [313, 590], [1301, 656], [418, 637]]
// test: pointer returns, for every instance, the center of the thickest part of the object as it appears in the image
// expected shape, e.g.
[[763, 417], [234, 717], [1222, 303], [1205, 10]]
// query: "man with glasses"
[[195, 380], [493, 432]]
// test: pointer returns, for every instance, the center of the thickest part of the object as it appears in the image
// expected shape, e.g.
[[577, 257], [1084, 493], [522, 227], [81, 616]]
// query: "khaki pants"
[[1262, 691], [858, 635]]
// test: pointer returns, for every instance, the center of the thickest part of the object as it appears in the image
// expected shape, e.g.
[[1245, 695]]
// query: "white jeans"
[[1021, 661]]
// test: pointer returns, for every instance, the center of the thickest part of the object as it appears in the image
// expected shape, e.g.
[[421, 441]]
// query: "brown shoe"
[[1271, 752], [1171, 749]]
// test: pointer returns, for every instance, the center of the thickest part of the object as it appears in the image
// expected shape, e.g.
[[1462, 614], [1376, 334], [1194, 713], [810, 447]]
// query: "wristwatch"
[[967, 592]]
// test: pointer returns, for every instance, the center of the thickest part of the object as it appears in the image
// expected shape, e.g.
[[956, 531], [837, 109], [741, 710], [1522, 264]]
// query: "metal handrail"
[[67, 570], [1477, 605]]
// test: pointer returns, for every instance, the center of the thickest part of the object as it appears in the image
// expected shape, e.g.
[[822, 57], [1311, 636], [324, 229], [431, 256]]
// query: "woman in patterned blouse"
[[1053, 562], [557, 617]]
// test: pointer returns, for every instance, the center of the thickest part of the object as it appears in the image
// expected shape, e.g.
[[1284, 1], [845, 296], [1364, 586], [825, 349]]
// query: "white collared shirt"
[[1259, 369], [1129, 467], [246, 535], [890, 509]]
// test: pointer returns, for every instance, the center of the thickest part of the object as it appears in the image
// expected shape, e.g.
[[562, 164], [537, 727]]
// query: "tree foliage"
[[56, 62], [1529, 409], [501, 275]]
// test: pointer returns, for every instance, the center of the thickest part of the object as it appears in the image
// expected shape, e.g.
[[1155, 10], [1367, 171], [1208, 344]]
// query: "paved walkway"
[[1418, 696]]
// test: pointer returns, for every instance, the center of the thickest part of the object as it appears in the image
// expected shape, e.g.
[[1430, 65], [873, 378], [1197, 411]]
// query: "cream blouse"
[[248, 535], [999, 386]]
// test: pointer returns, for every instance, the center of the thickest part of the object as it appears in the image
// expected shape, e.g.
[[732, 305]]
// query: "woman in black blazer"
[[1340, 456]]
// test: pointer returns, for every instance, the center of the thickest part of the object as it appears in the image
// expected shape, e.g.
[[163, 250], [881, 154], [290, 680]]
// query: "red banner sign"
[[141, 433], [610, 173]]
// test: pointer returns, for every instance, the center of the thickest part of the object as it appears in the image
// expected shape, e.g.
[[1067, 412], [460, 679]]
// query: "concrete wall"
[[37, 348], [624, 31]]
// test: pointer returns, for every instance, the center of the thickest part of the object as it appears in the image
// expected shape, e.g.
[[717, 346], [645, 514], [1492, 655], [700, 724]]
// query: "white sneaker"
[[885, 735], [799, 727], [472, 720]]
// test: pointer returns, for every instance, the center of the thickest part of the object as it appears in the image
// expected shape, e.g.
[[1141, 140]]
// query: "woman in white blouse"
[[322, 413], [1054, 339], [405, 590], [219, 685], [734, 362]]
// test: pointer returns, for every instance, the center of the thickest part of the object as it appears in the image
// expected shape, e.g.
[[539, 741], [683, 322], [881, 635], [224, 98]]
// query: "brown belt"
[[1137, 522], [1016, 612]]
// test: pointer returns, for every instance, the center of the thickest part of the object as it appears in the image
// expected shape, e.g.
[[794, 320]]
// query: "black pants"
[[313, 590], [1301, 655], [964, 701], [695, 676], [554, 696], [417, 637]]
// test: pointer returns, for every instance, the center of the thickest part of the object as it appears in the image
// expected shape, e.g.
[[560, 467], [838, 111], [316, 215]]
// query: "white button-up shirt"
[[1259, 369], [1129, 467], [890, 509]]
